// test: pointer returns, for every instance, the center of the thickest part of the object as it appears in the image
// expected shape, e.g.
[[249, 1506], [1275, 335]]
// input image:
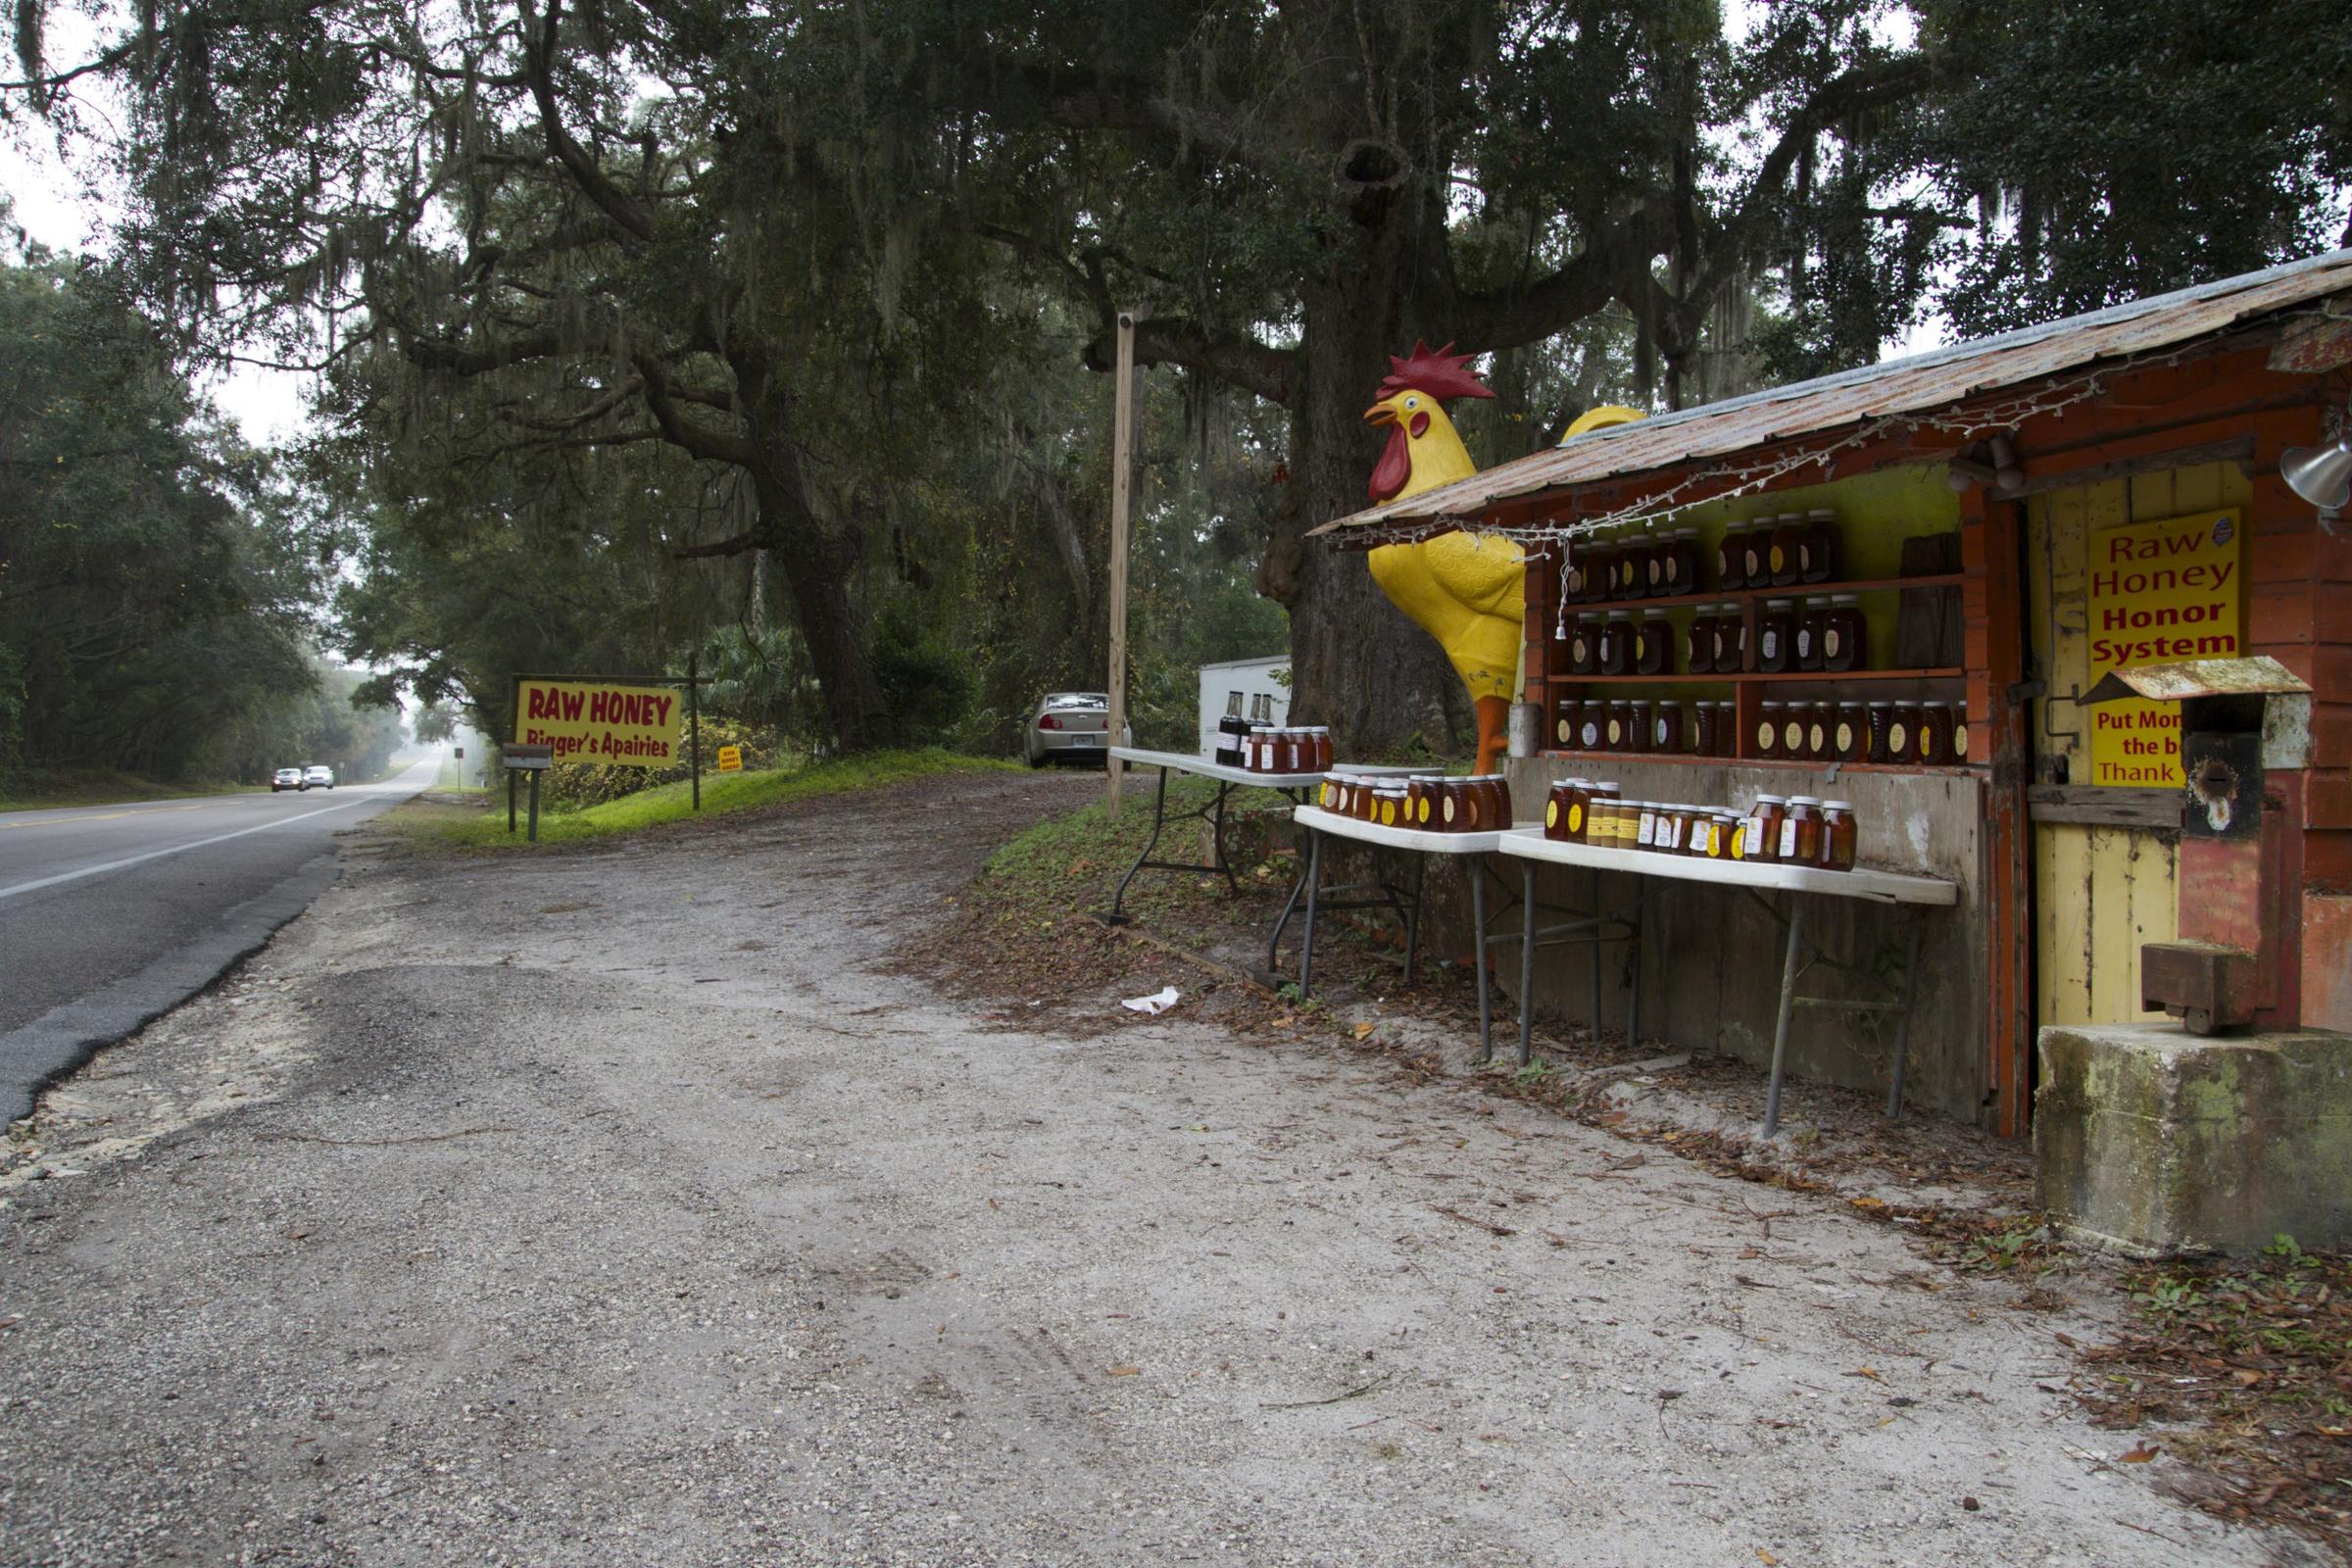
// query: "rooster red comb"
[[1443, 375]]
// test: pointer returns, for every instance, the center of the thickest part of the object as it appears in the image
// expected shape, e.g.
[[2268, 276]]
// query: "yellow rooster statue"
[[1468, 592]]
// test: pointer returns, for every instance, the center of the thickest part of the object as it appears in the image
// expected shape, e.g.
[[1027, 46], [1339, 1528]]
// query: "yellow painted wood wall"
[[2099, 892]]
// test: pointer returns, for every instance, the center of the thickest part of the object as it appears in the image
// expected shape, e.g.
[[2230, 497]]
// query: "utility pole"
[[1122, 463]]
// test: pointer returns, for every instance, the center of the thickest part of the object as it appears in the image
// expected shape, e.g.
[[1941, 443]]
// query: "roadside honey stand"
[[1902, 587]]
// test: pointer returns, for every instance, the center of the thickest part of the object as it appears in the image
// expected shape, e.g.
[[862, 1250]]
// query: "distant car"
[[317, 777], [1070, 728], [286, 778]]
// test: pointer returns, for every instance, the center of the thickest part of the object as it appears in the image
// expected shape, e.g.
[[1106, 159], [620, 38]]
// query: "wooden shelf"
[[1688, 759], [1942, 579], [1755, 677]]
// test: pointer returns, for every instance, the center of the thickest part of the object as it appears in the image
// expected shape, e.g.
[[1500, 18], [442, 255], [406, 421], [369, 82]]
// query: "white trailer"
[[1263, 686]]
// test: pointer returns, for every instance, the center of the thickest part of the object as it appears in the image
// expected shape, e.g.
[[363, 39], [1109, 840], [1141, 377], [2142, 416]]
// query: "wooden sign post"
[[1122, 462]]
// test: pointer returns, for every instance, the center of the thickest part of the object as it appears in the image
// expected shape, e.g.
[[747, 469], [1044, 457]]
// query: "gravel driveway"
[[629, 1206]]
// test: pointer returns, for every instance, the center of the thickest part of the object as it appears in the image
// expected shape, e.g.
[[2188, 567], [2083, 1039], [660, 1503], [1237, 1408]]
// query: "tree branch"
[[626, 211], [660, 397]]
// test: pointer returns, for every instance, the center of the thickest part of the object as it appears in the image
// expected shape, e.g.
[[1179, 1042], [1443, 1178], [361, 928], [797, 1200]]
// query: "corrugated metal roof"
[[1918, 384]]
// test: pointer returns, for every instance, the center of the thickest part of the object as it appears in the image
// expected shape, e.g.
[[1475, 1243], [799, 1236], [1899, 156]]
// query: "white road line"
[[176, 848]]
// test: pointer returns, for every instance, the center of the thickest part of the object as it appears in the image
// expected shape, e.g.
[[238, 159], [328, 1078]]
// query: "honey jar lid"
[[1836, 805], [1772, 798], [1804, 800]]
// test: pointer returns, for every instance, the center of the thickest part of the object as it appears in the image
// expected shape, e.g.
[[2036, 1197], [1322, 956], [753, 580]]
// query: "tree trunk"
[[815, 563]]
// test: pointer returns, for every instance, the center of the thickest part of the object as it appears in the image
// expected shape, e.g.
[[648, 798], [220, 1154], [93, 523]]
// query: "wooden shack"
[[2014, 517]]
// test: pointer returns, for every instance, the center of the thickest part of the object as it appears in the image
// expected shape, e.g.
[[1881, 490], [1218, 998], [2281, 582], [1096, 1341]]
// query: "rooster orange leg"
[[1493, 727]]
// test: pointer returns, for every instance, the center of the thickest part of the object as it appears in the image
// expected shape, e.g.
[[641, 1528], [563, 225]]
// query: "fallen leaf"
[[1124, 1371], [1869, 1372], [297, 1234], [2063, 1337], [2142, 1454], [1612, 1119], [1767, 1558], [1868, 1203], [2246, 1379], [1628, 1162], [993, 1203], [1362, 1029]]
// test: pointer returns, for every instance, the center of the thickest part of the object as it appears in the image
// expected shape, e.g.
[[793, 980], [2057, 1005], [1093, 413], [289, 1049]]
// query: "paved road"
[[110, 914]]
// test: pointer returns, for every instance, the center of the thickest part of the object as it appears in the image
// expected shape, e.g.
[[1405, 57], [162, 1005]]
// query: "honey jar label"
[[1804, 642], [1551, 814], [1567, 732], [1814, 738], [1576, 818], [1789, 839], [1764, 736], [1776, 557], [1388, 813], [1649, 830], [1829, 643], [1770, 643], [1896, 736], [1657, 736], [1845, 739], [1614, 730], [1739, 841], [1448, 807], [1638, 645], [1960, 742], [1592, 736], [1421, 809], [1794, 736]]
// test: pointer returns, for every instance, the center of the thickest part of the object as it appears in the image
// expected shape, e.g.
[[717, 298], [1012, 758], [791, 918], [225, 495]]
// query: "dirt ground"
[[668, 1202]]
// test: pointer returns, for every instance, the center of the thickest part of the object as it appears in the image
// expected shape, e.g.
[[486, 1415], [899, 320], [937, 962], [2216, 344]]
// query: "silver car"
[[1070, 728]]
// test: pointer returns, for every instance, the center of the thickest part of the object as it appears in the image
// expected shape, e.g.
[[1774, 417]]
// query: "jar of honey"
[[1678, 559], [1768, 729], [1617, 644], [1666, 729], [1592, 726], [1324, 753], [1710, 740], [1960, 732], [1801, 831], [1602, 793], [1817, 554], [1613, 730], [1786, 551], [1646, 825], [1727, 729], [1760, 836], [1576, 573], [1903, 734], [1257, 747], [1584, 645], [1755, 552], [1730, 639], [1837, 836], [1420, 799], [1842, 642], [1498, 801], [1567, 717], [1882, 733], [1722, 826], [1850, 736], [1810, 614], [1627, 571], [1654, 644], [1793, 731], [1556, 806], [1936, 734], [1776, 632], [1637, 734], [1698, 641], [1817, 732], [1730, 560]]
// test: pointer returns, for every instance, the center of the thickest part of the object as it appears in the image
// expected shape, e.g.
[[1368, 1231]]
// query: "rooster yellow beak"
[[1380, 414]]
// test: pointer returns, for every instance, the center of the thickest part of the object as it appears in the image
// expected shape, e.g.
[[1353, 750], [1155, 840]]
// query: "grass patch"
[[105, 787], [447, 820]]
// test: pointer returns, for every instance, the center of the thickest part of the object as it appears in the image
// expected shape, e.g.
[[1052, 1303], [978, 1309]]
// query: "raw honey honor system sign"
[[2160, 592], [598, 722], [730, 759]]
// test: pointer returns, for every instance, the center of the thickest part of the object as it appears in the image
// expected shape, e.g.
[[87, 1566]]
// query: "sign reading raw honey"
[[2159, 591], [599, 721], [730, 759]]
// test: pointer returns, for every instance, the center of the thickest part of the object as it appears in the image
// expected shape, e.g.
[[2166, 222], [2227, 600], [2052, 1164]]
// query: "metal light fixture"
[[2321, 475]]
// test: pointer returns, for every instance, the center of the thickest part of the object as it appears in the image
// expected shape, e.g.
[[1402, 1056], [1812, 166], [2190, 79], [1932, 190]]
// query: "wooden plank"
[[2096, 804]]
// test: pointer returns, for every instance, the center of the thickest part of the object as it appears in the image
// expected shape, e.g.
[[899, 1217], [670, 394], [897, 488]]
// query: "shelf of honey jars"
[[1923, 727]]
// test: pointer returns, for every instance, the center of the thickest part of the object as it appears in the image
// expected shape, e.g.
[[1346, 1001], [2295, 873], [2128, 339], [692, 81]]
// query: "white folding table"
[[1802, 883], [1291, 786]]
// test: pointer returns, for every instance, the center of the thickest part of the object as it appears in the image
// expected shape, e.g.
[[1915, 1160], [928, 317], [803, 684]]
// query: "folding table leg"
[[1527, 961], [1902, 1019], [1478, 922], [1600, 913], [1159, 818], [1780, 1027], [1633, 995], [1216, 834], [1314, 885], [1413, 921]]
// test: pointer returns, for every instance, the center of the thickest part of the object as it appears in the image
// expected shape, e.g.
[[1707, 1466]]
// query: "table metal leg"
[[1599, 909], [1159, 819], [1216, 835], [1413, 921], [1780, 1027], [1902, 1019], [1633, 995], [1306, 935], [1478, 921], [1527, 962]]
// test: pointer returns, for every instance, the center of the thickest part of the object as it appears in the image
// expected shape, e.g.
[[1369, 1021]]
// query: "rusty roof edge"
[[1485, 489]]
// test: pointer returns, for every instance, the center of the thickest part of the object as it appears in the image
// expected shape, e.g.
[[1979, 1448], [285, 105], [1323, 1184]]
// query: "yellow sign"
[[730, 759], [600, 721], [2159, 591]]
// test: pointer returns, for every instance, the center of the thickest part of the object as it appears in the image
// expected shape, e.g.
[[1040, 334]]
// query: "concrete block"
[[2151, 1140]]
